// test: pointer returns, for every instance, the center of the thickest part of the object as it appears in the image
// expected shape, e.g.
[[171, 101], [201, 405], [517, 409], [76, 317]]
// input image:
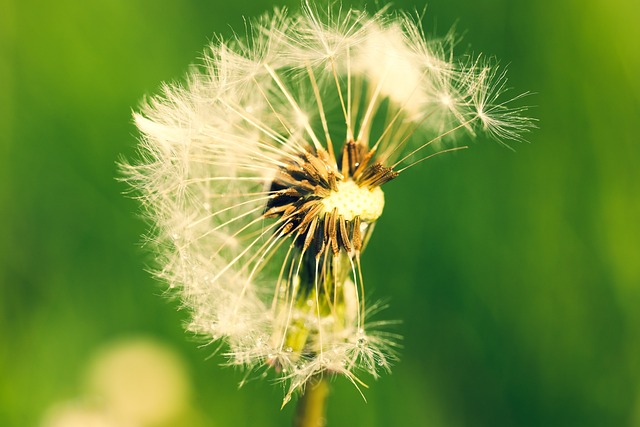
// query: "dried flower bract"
[[262, 176]]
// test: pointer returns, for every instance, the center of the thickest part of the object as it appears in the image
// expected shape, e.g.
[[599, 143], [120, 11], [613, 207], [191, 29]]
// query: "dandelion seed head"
[[262, 178]]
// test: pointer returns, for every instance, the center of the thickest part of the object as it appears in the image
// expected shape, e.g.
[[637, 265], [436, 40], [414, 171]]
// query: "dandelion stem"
[[312, 404]]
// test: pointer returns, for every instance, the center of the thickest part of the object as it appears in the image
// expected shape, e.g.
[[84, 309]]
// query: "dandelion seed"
[[263, 178]]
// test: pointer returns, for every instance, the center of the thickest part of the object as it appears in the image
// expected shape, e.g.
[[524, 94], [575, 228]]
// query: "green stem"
[[312, 404]]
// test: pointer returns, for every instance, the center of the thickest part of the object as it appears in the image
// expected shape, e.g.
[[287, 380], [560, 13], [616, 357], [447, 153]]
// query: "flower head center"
[[351, 200]]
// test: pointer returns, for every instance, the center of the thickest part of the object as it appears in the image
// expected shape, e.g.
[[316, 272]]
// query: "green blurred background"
[[517, 277]]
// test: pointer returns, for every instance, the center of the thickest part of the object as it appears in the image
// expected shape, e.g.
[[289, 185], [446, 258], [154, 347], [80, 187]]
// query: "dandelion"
[[262, 176]]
